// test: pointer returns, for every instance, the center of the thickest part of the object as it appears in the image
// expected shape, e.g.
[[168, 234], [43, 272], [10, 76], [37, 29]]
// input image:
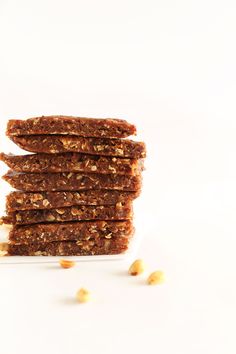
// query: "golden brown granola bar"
[[34, 182], [48, 200], [95, 146], [72, 162], [71, 231], [96, 127], [75, 213], [71, 248]]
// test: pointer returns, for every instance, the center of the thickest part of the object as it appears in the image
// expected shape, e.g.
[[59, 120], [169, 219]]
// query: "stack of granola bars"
[[74, 194]]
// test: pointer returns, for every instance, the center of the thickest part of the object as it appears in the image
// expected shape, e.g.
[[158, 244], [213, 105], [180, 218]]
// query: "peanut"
[[156, 277], [83, 295], [64, 263], [137, 267]]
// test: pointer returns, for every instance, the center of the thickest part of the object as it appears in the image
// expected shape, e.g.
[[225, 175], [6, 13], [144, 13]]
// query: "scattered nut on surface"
[[83, 295], [64, 263], [137, 267], [156, 277]]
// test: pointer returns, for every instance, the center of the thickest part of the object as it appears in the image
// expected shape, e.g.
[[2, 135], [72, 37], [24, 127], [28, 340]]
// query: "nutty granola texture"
[[75, 231], [34, 182], [96, 146], [75, 213], [49, 200], [92, 127], [72, 162], [98, 246]]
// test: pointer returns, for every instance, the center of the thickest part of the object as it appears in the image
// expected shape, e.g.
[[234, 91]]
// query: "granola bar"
[[94, 127], [71, 248], [72, 162], [75, 213], [48, 200], [82, 230], [95, 146], [34, 182]]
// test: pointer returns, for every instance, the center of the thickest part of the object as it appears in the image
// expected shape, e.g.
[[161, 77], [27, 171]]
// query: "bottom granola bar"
[[71, 248], [83, 230]]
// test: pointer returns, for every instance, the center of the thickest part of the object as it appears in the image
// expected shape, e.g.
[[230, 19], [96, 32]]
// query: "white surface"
[[169, 67]]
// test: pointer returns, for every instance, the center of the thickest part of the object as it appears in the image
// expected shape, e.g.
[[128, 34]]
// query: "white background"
[[169, 67]]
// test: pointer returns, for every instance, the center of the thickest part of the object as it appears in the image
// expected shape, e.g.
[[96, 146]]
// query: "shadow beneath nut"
[[135, 280], [121, 273], [68, 301], [52, 266]]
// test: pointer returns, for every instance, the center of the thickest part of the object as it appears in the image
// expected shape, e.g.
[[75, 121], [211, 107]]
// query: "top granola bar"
[[68, 125]]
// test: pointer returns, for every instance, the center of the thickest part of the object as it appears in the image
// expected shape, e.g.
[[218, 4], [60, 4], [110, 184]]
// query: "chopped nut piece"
[[18, 217], [3, 253], [3, 249], [118, 205], [137, 267], [3, 246], [112, 169], [83, 295], [93, 168], [38, 253], [75, 211], [45, 203], [50, 217], [156, 277], [120, 151], [60, 211], [37, 197], [64, 263]]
